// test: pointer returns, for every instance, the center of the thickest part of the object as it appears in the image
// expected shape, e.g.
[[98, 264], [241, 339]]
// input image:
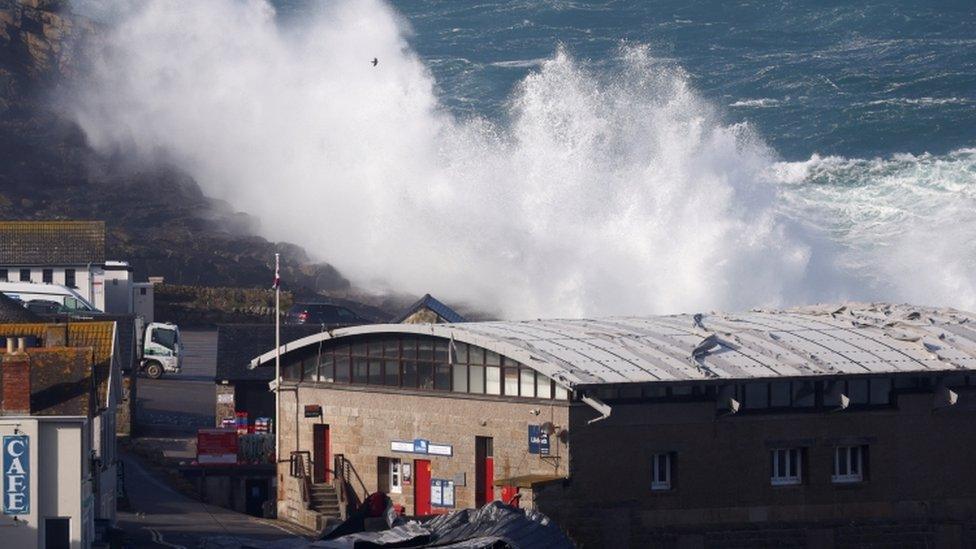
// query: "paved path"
[[162, 517]]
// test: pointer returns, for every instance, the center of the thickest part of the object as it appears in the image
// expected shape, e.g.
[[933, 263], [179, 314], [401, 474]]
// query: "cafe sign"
[[16, 475]]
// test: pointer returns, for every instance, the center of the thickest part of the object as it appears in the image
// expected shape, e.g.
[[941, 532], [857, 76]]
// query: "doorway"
[[421, 487], [57, 533], [257, 494], [321, 453], [484, 470]]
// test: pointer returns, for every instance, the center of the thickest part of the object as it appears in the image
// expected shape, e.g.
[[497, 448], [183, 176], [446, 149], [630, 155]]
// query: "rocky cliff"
[[157, 218]]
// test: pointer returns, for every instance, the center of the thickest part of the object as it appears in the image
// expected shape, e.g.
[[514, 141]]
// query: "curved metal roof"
[[849, 339]]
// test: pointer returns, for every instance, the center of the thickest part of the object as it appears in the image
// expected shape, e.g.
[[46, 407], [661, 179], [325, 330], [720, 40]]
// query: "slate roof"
[[99, 337], [237, 344], [61, 381], [53, 243], [11, 311], [430, 302], [848, 339]]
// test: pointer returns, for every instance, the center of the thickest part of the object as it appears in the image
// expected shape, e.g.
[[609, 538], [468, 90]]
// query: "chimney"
[[16, 384], [10, 345]]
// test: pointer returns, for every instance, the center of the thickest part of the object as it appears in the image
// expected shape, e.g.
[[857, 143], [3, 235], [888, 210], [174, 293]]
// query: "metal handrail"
[[301, 469]]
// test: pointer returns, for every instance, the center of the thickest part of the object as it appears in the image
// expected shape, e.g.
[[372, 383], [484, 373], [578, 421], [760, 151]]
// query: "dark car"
[[44, 307], [322, 313]]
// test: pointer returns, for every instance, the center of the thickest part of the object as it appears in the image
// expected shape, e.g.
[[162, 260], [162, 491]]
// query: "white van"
[[69, 300]]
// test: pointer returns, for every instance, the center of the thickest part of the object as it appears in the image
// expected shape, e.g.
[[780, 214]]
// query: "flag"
[[277, 279]]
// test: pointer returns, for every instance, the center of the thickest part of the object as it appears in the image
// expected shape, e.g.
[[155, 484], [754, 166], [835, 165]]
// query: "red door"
[[421, 487], [484, 471], [322, 453]]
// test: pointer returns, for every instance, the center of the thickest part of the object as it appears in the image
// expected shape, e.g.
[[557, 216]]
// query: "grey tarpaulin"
[[495, 525]]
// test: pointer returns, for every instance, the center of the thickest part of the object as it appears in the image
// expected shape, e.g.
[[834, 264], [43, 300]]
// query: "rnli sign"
[[16, 475]]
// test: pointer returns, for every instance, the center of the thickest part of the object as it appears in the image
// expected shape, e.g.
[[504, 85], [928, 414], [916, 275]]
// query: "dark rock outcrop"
[[157, 217]]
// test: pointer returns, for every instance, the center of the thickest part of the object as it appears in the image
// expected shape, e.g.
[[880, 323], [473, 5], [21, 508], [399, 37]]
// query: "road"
[[177, 404], [162, 517]]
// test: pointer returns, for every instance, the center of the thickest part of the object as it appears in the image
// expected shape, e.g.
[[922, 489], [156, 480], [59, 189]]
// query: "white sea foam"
[[620, 193], [755, 103]]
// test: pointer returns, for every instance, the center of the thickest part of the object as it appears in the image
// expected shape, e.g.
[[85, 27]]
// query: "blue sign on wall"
[[420, 446], [16, 475], [538, 440]]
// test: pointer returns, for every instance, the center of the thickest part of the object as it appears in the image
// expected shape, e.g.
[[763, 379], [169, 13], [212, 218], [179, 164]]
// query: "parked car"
[[322, 313], [45, 307]]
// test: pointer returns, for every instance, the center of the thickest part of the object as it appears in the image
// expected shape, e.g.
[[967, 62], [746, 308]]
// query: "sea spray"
[[613, 192]]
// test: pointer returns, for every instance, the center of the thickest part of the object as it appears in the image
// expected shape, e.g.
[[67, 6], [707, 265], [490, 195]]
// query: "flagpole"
[[277, 427]]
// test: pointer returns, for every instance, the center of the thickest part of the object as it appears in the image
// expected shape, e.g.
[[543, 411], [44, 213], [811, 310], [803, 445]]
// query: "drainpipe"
[[602, 408]]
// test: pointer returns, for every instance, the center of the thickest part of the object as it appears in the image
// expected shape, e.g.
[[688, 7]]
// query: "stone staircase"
[[324, 500]]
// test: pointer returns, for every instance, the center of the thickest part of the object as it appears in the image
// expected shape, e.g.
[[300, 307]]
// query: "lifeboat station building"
[[810, 427]]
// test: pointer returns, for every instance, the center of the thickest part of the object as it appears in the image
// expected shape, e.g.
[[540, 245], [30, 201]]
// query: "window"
[[560, 392], [756, 396], [527, 382], [661, 472], [396, 480], [391, 372], [477, 379], [25, 275], [3, 275], [47, 276], [804, 394], [848, 467], [786, 466], [69, 280], [142, 291], [779, 394], [493, 381], [460, 378], [511, 381]]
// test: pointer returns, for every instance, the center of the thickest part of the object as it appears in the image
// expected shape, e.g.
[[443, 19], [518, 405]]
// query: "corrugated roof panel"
[[809, 341]]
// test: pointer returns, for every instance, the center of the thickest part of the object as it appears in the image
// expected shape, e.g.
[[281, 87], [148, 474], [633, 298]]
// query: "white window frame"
[[848, 455], [789, 457], [396, 480], [657, 483]]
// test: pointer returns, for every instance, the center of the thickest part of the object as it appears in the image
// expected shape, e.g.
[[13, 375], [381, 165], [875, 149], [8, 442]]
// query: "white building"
[[57, 431], [72, 254]]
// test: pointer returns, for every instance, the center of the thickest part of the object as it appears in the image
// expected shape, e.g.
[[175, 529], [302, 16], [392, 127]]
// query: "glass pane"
[[292, 371], [842, 461], [511, 381], [310, 368], [781, 463], [492, 359], [342, 369], [425, 371], [855, 460], [779, 392], [560, 392], [794, 462], [327, 368], [409, 374], [528, 382], [460, 372], [392, 372], [477, 379], [375, 372], [442, 377], [543, 387], [460, 353], [681, 390], [662, 464], [756, 396], [476, 355], [881, 390], [359, 370], [858, 391], [391, 348], [409, 345], [440, 351], [425, 349], [804, 394], [493, 381], [359, 348]]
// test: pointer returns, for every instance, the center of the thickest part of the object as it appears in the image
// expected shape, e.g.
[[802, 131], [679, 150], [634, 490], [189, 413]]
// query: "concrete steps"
[[324, 500]]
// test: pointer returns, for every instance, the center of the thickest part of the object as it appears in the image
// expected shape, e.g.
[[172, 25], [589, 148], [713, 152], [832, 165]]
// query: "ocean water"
[[571, 158]]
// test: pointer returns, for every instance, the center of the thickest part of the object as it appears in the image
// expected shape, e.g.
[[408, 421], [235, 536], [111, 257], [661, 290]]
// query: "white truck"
[[160, 351], [158, 342]]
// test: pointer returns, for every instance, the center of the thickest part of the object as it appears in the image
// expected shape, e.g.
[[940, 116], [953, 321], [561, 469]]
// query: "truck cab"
[[161, 350]]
